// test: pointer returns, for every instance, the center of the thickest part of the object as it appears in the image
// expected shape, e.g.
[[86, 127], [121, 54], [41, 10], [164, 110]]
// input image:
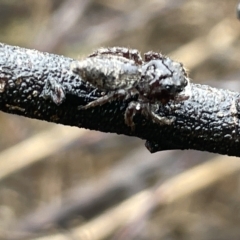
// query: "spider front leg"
[[109, 97], [149, 111], [146, 109], [130, 112]]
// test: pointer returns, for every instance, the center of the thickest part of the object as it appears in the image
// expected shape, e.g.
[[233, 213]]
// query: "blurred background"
[[65, 183]]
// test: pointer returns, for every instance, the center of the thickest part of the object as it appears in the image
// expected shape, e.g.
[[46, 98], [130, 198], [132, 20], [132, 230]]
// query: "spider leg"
[[92, 92], [109, 97], [130, 112], [149, 111], [162, 120], [131, 54], [146, 109]]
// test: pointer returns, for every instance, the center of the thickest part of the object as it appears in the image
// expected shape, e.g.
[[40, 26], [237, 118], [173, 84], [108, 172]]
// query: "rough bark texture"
[[208, 121]]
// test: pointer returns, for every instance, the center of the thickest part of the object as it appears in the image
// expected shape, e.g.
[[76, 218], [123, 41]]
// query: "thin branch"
[[208, 121]]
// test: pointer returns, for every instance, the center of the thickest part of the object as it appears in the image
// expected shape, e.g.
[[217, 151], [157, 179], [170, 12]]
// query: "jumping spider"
[[121, 73]]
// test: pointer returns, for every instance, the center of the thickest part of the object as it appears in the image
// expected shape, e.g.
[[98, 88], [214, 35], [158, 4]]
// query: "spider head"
[[164, 80]]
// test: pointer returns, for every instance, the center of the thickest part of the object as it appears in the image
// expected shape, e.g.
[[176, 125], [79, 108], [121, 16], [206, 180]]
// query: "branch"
[[208, 121]]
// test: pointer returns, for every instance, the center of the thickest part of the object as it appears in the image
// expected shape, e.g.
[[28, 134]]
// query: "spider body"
[[121, 73]]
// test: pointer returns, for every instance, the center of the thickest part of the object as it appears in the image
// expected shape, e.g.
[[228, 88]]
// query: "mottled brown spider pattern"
[[121, 73]]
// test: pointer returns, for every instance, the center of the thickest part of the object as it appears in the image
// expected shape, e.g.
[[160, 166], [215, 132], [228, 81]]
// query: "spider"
[[121, 73]]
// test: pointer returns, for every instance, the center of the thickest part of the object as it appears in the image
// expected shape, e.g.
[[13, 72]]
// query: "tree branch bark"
[[208, 121]]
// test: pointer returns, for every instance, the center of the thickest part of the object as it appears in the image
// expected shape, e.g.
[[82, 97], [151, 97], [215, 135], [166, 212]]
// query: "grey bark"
[[29, 80]]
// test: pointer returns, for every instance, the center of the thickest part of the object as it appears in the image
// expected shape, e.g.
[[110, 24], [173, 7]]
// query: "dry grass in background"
[[64, 183]]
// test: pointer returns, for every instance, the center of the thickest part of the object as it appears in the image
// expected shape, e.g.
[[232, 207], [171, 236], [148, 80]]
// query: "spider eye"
[[170, 88]]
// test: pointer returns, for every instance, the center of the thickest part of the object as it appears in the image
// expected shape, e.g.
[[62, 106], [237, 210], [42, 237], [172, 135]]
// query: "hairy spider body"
[[109, 73], [121, 73]]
